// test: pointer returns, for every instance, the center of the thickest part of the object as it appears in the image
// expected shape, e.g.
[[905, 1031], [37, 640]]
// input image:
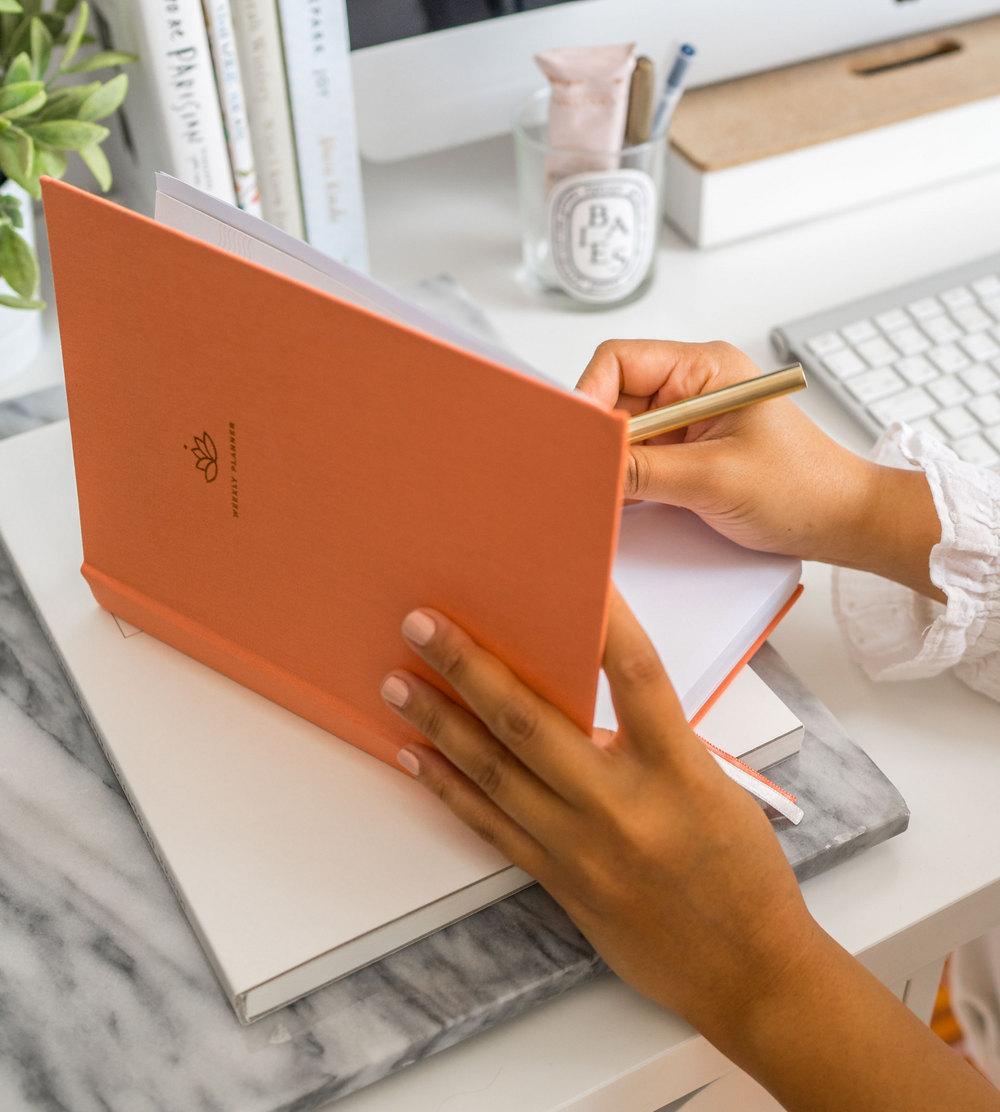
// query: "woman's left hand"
[[671, 871]]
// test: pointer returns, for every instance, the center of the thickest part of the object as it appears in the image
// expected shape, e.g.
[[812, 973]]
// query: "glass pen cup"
[[590, 220]]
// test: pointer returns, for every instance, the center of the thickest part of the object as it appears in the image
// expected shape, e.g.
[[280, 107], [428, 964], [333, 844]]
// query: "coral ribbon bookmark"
[[764, 790]]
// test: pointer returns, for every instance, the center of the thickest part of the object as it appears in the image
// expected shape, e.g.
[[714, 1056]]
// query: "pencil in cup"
[[717, 402]]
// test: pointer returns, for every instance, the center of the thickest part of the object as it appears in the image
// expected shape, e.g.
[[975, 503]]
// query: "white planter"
[[20, 329]]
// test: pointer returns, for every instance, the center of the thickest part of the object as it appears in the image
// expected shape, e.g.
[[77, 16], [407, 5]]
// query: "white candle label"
[[602, 232]]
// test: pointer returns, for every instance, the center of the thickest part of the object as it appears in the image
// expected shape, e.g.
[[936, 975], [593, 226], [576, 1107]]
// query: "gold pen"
[[700, 408]]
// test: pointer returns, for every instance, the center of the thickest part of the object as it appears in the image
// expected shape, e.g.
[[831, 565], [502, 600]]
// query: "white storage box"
[[762, 152]]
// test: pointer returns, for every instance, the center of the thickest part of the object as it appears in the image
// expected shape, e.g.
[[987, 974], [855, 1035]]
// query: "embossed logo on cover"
[[206, 456]]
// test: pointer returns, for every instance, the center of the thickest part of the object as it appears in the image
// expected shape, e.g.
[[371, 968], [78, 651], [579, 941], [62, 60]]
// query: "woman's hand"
[[765, 476], [671, 870]]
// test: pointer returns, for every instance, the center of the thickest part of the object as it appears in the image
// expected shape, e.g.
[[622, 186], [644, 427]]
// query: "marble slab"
[[107, 1003]]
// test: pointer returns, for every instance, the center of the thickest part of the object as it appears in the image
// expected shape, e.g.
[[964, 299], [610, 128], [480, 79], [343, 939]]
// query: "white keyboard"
[[927, 353]]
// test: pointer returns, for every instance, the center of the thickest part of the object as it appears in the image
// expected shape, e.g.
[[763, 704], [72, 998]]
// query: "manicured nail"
[[408, 759], [418, 627], [395, 691]]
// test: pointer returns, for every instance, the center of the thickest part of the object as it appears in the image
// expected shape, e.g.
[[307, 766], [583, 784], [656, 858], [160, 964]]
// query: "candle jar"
[[590, 220]]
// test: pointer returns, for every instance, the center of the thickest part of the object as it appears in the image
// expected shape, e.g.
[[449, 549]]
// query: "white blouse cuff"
[[895, 633]]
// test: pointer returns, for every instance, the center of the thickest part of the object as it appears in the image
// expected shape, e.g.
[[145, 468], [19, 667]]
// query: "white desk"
[[902, 906]]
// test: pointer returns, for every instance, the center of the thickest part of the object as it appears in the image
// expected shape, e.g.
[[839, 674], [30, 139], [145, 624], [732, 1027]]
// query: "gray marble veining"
[[849, 804], [107, 1004]]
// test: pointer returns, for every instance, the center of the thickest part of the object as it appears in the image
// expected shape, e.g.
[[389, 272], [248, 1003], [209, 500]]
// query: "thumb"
[[676, 474]]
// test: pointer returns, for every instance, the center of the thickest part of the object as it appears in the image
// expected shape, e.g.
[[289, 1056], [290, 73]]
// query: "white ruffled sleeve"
[[895, 633]]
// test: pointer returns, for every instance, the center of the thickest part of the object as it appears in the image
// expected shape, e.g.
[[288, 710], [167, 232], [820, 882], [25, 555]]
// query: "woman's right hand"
[[766, 477]]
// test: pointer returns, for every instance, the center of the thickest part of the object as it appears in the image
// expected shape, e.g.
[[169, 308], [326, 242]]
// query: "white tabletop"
[[900, 906]]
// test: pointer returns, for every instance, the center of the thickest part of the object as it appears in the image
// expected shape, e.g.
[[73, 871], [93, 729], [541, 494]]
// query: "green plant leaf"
[[49, 161], [104, 60], [67, 135], [28, 108], [16, 37], [65, 7], [19, 70], [13, 96], [17, 157], [41, 48], [20, 302], [11, 7], [17, 262], [75, 37], [64, 103], [98, 165], [10, 209], [105, 100]]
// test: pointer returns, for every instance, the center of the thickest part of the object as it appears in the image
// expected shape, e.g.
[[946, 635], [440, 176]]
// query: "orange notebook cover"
[[270, 478]]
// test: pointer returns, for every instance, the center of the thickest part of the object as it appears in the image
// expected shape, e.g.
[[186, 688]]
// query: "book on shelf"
[[250, 101], [232, 98], [172, 113], [258, 43], [317, 63]]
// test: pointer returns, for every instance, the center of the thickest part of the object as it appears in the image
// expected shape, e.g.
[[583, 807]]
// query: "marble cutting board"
[[106, 1000]]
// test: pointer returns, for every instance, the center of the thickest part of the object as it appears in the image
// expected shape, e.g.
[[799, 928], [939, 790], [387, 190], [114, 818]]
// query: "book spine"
[[258, 46], [219, 21], [321, 93], [180, 68]]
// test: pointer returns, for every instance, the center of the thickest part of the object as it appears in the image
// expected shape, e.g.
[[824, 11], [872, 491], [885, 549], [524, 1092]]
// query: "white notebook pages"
[[703, 600], [296, 857], [188, 210]]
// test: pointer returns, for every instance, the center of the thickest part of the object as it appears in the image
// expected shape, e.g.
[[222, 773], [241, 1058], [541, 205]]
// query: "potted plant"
[[43, 115]]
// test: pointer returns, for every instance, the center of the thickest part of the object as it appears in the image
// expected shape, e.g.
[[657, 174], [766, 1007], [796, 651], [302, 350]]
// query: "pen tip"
[[688, 49]]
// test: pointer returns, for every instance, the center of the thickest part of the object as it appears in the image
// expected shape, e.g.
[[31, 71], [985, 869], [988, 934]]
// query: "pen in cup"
[[641, 103], [673, 89]]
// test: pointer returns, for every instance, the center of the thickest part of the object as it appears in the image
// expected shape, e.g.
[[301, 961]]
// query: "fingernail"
[[408, 759], [395, 691], [418, 627]]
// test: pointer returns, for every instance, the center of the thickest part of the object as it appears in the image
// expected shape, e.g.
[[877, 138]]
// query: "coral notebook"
[[270, 477]]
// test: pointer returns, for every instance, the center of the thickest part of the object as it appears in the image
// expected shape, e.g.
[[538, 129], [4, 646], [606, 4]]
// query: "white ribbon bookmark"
[[759, 786]]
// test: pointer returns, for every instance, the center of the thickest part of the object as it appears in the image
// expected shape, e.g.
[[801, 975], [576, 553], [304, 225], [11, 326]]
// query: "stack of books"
[[307, 457], [249, 101]]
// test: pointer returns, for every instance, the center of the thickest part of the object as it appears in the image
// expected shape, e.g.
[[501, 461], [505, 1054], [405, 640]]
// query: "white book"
[[317, 64], [219, 21], [172, 110], [750, 722], [297, 857], [258, 45]]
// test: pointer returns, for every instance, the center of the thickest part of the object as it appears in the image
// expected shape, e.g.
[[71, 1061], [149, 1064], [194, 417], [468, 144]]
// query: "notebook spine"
[[321, 93], [239, 663], [174, 52], [258, 46], [219, 21]]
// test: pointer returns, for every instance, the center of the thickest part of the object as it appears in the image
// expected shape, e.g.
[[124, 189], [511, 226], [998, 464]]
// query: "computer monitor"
[[430, 74]]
